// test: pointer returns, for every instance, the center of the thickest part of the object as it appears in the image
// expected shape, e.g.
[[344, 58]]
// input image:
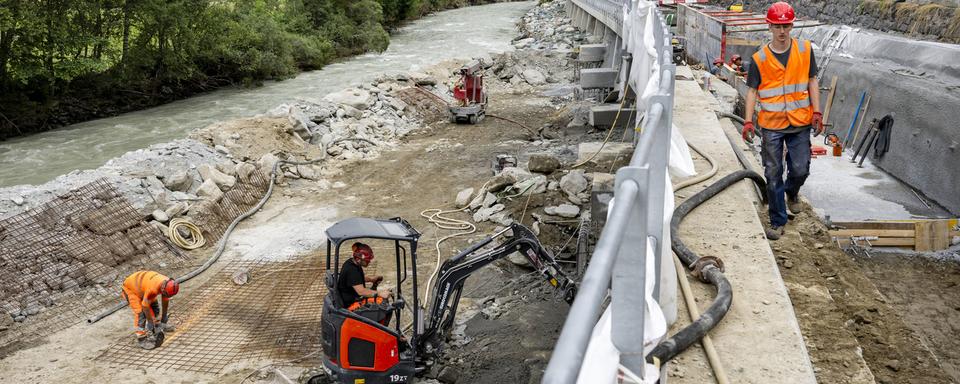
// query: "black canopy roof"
[[360, 227]]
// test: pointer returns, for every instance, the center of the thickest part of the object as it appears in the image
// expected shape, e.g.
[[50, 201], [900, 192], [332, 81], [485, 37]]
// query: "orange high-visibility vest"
[[784, 99]]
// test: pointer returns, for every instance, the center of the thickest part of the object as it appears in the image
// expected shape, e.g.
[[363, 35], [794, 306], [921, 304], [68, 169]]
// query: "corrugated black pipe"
[[709, 273]]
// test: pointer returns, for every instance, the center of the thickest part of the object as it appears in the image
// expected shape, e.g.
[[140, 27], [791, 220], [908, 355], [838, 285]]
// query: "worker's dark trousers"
[[797, 147]]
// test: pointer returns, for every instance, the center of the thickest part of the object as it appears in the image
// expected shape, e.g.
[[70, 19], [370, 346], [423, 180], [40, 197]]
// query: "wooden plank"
[[885, 242], [874, 225], [856, 133], [932, 236], [826, 108], [873, 232]]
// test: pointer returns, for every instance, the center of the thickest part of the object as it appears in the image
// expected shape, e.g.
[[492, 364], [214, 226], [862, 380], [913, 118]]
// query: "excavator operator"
[[351, 283]]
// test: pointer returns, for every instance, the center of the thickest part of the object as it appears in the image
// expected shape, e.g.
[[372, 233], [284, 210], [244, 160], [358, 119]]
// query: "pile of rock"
[[547, 27], [487, 204]]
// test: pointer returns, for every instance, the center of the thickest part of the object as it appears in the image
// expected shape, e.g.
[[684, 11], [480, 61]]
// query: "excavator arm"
[[454, 272]]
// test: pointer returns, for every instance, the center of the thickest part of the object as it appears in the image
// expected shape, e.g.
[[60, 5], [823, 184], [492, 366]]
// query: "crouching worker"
[[351, 285], [141, 291]]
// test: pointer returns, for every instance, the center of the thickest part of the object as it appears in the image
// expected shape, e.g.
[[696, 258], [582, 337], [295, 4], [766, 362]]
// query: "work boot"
[[147, 342], [794, 205], [774, 233]]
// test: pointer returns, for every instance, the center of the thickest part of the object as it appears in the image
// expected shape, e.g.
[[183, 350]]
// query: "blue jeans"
[[797, 147]]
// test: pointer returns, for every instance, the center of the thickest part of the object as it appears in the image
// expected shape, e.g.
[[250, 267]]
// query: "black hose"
[[709, 271]]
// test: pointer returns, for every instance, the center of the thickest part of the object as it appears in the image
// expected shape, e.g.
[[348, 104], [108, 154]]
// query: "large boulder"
[[463, 198], [534, 77], [210, 191], [356, 98], [573, 183], [543, 163], [224, 181], [178, 180]]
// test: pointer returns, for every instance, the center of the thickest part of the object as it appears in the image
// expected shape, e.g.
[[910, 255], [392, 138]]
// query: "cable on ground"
[[196, 239]]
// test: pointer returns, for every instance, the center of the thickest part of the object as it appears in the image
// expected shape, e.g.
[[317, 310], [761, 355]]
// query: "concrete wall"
[[930, 20]]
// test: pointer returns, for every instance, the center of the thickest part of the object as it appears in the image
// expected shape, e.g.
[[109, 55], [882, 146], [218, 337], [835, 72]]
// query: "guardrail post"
[[629, 274]]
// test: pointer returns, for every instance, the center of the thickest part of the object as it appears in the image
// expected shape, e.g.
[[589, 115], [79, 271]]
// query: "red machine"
[[363, 346], [471, 97]]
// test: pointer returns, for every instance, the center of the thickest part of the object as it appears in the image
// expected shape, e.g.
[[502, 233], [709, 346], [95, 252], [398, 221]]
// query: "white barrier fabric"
[[638, 24], [602, 360], [681, 163]]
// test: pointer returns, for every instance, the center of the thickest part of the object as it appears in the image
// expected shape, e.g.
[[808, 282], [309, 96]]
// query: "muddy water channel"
[[455, 34]]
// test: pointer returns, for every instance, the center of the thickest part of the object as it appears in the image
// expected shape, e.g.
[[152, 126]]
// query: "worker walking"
[[783, 77], [141, 291]]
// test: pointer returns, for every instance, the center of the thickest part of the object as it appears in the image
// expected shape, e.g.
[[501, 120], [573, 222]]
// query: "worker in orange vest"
[[141, 291], [783, 78], [351, 283]]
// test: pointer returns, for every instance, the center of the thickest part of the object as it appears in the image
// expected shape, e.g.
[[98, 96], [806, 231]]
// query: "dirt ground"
[[425, 171], [903, 330]]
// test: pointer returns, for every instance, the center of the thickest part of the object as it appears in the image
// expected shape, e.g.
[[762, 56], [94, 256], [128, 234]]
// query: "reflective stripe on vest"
[[787, 106], [783, 90]]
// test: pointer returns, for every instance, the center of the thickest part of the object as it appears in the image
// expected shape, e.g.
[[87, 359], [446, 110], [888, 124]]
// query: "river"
[[454, 34]]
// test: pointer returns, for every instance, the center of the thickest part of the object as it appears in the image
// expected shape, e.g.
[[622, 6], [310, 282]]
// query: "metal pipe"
[[568, 354]]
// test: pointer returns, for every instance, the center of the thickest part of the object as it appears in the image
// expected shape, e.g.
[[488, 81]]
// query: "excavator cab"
[[361, 347], [359, 344]]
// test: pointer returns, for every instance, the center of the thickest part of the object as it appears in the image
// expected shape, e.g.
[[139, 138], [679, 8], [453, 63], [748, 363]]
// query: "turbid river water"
[[455, 34]]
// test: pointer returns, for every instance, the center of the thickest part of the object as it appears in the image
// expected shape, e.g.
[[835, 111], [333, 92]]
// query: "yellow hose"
[[197, 236]]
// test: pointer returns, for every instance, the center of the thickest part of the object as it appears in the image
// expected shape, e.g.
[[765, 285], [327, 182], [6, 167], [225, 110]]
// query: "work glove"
[[748, 132], [385, 293], [817, 123]]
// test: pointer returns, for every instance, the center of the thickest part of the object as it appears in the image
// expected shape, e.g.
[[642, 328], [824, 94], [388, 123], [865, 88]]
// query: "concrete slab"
[[593, 78], [604, 152], [592, 52], [605, 115], [759, 340]]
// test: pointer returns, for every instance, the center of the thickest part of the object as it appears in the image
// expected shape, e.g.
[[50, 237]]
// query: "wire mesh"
[[65, 260], [274, 316]]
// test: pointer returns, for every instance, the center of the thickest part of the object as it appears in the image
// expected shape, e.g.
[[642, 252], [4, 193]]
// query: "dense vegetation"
[[64, 61]]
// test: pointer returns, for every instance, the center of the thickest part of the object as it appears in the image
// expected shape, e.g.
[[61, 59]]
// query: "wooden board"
[[874, 232], [826, 108], [932, 236], [873, 225]]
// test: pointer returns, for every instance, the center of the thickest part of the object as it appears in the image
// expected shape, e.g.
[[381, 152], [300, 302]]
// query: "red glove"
[[817, 123], [748, 132]]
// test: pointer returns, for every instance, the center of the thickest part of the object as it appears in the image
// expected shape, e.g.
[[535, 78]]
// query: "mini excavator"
[[470, 95], [361, 347]]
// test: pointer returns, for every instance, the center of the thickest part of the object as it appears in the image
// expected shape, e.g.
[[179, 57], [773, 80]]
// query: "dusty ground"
[[840, 309]]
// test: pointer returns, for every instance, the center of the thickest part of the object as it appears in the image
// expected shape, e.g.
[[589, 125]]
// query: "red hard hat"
[[780, 13], [169, 288], [362, 252], [718, 61], [734, 57]]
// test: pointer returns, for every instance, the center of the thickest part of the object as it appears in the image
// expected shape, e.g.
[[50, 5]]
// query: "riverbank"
[[32, 104]]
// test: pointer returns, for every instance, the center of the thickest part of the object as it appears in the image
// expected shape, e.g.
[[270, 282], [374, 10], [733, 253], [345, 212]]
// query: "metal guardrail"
[[635, 220]]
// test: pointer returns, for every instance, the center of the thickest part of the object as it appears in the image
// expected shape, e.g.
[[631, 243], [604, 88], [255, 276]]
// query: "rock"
[[222, 180], [178, 180], [543, 163], [449, 374], [221, 149], [533, 185], [210, 191], [519, 259], [517, 174], [339, 185], [501, 218], [267, 162], [573, 183], [396, 104], [245, 170], [160, 216], [522, 43], [534, 77], [499, 182], [18, 200], [489, 200], [6, 321], [33, 308], [307, 172], [893, 365], [483, 214], [563, 210], [553, 185], [463, 198], [348, 111], [356, 98]]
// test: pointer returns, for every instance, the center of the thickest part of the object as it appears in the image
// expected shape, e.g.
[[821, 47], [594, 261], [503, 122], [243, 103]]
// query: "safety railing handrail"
[[634, 223]]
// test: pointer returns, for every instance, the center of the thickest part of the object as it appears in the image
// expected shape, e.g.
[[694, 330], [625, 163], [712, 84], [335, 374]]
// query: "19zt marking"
[[398, 379]]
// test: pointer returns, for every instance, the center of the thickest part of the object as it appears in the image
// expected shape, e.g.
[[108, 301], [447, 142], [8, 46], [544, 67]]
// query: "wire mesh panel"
[[65, 260], [274, 315]]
